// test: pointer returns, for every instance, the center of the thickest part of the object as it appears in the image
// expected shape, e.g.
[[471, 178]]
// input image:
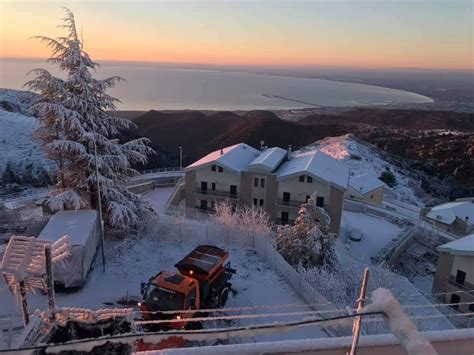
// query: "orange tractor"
[[202, 282]]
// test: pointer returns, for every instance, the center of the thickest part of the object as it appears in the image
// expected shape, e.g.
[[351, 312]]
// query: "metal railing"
[[466, 286], [160, 170], [291, 203], [216, 193]]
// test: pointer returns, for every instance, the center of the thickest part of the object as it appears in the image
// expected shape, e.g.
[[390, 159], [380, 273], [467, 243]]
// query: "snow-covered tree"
[[242, 223], [307, 242], [255, 221], [75, 121]]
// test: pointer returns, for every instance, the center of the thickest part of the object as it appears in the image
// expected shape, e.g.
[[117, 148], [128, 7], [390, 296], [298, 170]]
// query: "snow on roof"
[[76, 224], [316, 163], [463, 246], [270, 158], [447, 212], [236, 157], [365, 183]]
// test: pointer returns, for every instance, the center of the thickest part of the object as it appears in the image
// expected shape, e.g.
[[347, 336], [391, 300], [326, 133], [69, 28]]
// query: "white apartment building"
[[275, 179]]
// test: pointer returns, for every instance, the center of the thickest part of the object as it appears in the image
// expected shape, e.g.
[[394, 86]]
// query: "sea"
[[149, 86]]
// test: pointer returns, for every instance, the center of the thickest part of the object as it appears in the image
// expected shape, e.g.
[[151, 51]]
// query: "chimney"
[[262, 145], [289, 152]]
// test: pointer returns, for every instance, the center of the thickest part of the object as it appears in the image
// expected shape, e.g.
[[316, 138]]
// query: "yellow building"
[[367, 188]]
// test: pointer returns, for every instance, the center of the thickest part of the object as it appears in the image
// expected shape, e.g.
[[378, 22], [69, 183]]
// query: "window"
[[213, 186], [372, 196], [284, 218], [471, 307], [455, 299], [255, 202], [301, 178], [460, 277], [213, 168], [220, 169], [191, 299], [233, 190], [255, 182], [261, 202], [213, 205], [286, 197], [262, 182], [203, 186], [320, 201], [309, 179], [307, 198], [203, 204]]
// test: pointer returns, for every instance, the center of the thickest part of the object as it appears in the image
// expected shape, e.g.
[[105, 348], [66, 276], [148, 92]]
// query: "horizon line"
[[265, 66]]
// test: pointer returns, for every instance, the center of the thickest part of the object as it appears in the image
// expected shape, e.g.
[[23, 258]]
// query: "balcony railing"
[[291, 203], [217, 193], [466, 286]]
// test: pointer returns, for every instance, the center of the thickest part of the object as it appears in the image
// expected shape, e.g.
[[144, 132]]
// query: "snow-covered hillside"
[[362, 158], [20, 149]]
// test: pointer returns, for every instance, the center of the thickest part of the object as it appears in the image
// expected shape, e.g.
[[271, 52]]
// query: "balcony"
[[216, 193], [294, 204], [466, 286]]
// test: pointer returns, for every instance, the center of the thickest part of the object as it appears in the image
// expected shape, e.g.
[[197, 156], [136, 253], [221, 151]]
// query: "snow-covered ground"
[[158, 198], [135, 260], [376, 233], [363, 158]]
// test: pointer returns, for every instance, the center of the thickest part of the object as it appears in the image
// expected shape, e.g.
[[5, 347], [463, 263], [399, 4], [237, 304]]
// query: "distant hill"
[[199, 134], [399, 118]]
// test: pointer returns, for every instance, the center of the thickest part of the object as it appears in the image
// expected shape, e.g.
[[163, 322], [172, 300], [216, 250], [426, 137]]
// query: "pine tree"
[[75, 117], [307, 243]]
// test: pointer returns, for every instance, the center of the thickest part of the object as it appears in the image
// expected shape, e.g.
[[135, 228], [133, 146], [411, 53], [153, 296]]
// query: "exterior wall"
[[466, 264], [222, 180], [299, 190], [373, 197], [445, 279], [443, 270], [189, 194], [336, 203], [268, 193]]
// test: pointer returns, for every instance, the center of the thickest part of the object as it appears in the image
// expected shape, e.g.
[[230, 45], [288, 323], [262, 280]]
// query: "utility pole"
[[99, 204], [358, 319], [180, 158]]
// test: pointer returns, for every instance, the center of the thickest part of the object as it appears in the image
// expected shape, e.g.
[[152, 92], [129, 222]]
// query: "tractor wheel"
[[223, 297]]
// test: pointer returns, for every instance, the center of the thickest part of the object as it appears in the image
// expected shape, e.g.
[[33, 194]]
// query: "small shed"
[[83, 229], [367, 188]]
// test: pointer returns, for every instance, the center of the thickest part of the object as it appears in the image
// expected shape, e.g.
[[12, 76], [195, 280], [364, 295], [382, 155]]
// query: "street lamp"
[[180, 158]]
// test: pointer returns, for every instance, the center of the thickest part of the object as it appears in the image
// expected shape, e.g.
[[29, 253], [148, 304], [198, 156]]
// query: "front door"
[[203, 186], [284, 218], [203, 204]]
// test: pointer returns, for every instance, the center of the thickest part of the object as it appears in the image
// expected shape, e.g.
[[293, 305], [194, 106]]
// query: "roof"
[[236, 157], [463, 246], [270, 158], [78, 225], [365, 183], [448, 212], [315, 163]]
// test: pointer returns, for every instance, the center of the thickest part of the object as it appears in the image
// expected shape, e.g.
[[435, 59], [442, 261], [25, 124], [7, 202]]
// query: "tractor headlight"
[[139, 304], [178, 317]]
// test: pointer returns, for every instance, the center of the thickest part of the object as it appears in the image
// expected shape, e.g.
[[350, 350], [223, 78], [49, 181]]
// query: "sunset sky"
[[377, 33]]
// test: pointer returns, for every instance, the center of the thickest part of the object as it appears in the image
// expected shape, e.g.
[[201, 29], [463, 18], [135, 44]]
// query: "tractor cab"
[[165, 294]]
